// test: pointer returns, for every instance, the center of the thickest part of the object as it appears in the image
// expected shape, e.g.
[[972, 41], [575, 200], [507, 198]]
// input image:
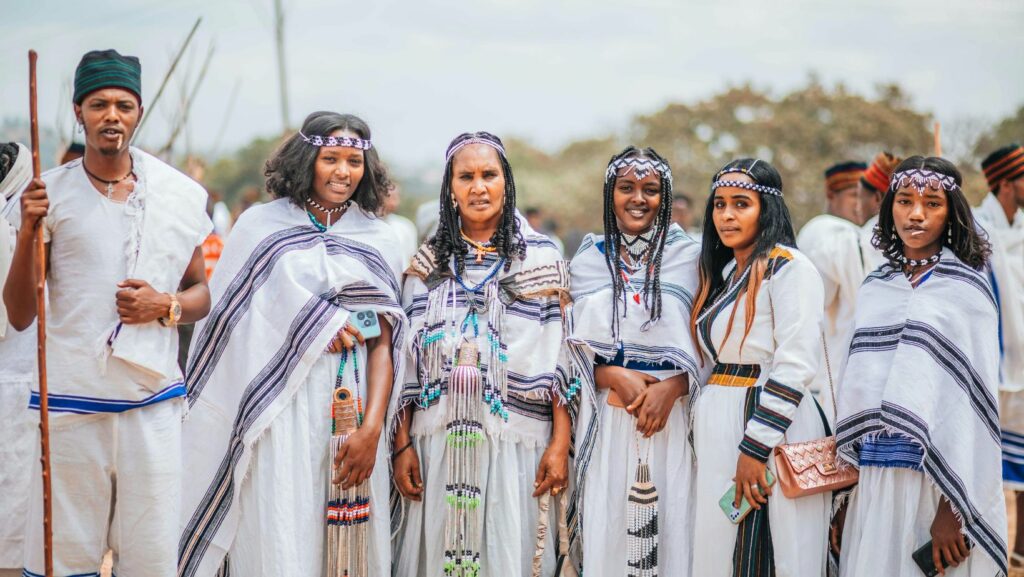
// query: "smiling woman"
[[284, 358]]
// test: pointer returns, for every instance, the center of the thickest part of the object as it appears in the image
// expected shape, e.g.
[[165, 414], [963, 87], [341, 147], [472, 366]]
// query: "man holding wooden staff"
[[124, 268]]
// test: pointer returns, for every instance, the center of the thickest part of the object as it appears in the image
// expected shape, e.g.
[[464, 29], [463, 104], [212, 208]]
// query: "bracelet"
[[399, 452]]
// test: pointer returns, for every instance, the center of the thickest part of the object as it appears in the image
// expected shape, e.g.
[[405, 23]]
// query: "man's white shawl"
[[923, 363], [1008, 268], [590, 332], [281, 291]]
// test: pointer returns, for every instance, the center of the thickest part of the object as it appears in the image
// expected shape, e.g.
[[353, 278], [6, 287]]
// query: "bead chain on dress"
[[348, 510]]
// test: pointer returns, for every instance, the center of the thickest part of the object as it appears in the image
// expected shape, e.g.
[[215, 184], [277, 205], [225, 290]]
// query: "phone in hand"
[[738, 514], [367, 324], [923, 558]]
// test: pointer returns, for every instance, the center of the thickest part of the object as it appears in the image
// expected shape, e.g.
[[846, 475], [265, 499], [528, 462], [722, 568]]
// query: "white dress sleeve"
[[796, 299]]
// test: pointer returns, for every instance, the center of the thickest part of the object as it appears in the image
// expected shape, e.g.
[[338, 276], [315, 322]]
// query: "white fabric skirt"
[[612, 471], [283, 498], [510, 512], [889, 517], [19, 432], [799, 526]]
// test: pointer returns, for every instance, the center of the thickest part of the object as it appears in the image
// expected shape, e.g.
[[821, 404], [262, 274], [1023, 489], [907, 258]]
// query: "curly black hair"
[[962, 234], [8, 156], [290, 170], [447, 241], [613, 237]]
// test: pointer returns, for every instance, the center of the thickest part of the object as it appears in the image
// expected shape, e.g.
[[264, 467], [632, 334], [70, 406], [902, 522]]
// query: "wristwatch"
[[173, 313]]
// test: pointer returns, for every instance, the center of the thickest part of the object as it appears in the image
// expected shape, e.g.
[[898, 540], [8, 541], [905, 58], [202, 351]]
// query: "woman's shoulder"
[[789, 262]]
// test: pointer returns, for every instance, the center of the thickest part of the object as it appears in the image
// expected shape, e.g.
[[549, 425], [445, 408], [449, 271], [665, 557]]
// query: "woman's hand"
[[406, 468], [653, 406], [553, 471], [346, 339], [947, 538], [751, 482], [627, 383], [356, 457]]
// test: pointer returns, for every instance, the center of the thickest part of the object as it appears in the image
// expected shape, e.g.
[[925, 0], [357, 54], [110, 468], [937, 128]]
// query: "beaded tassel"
[[465, 435], [435, 353], [642, 520], [348, 510], [496, 392]]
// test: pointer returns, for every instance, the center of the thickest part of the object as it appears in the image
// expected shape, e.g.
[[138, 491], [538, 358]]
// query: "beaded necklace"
[[481, 248], [341, 208]]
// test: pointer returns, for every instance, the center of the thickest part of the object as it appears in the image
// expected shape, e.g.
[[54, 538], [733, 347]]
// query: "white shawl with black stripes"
[[590, 331], [281, 291], [924, 363]]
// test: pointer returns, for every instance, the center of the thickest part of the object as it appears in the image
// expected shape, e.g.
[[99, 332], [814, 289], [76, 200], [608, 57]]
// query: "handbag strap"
[[828, 370]]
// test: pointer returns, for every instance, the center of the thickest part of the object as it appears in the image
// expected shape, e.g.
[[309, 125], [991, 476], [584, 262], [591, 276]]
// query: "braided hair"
[[447, 241], [613, 237]]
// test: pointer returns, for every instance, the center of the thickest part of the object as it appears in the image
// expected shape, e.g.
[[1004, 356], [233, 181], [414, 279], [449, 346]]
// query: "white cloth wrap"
[[168, 222], [923, 363], [294, 287], [590, 336]]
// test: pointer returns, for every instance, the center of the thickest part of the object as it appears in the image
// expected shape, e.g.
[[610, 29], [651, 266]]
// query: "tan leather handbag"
[[813, 467]]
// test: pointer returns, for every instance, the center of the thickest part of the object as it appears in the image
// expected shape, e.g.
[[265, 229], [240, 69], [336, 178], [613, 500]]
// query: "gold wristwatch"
[[173, 313]]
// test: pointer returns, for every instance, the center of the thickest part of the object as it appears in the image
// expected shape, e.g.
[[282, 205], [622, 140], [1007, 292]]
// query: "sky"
[[422, 71]]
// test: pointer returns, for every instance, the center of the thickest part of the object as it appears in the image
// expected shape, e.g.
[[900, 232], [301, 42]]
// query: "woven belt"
[[729, 375]]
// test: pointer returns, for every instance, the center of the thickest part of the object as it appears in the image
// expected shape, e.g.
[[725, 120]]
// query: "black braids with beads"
[[613, 238], [447, 241]]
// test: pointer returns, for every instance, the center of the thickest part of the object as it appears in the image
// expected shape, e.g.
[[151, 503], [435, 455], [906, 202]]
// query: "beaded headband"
[[920, 179], [719, 183], [475, 140], [640, 167], [346, 141]]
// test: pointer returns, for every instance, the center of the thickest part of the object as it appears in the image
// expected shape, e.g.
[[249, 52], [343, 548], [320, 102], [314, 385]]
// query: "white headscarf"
[[11, 186]]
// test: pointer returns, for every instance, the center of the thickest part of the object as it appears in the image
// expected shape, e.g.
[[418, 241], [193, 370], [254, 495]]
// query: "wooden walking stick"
[[44, 403], [937, 133]]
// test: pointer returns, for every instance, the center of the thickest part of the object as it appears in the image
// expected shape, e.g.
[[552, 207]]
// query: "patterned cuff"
[[755, 449]]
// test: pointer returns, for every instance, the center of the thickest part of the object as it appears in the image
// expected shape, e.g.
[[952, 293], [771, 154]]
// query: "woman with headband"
[[483, 428], [758, 319], [918, 409], [632, 289], [289, 388]]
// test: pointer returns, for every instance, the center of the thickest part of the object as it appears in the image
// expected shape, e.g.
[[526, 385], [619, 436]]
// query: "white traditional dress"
[[755, 399], [918, 415], [834, 246], [608, 447], [256, 443], [17, 373], [518, 329], [1007, 276]]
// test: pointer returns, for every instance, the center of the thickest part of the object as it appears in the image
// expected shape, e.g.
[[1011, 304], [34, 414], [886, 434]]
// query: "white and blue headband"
[[474, 140], [346, 141], [640, 167], [763, 189]]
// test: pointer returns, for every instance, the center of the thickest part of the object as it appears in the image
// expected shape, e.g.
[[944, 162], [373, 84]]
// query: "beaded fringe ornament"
[[496, 391], [348, 510], [465, 435], [642, 523]]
